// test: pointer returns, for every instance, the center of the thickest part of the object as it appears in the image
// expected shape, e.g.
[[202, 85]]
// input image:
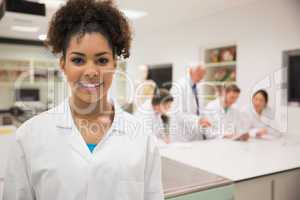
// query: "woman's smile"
[[89, 87]]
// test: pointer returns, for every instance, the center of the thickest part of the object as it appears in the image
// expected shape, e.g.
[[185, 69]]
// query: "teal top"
[[226, 110], [91, 147]]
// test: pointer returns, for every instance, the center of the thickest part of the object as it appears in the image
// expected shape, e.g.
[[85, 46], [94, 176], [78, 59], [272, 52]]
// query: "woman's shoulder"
[[40, 122], [37, 123]]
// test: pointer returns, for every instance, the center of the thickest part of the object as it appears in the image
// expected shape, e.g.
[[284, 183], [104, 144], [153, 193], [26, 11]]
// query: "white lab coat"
[[151, 120], [184, 125], [51, 161], [230, 122], [255, 122]]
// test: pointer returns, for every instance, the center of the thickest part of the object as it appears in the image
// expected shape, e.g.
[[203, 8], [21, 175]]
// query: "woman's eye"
[[77, 61], [102, 61]]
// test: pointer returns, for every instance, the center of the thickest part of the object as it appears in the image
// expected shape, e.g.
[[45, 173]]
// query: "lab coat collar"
[[65, 119], [266, 113], [189, 79], [221, 106], [67, 127], [63, 113]]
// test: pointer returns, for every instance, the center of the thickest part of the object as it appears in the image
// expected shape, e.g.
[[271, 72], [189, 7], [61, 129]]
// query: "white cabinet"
[[287, 186], [258, 189], [281, 186]]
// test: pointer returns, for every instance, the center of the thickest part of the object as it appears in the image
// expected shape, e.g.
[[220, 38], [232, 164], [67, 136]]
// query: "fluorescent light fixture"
[[42, 37], [28, 29], [134, 14], [53, 3]]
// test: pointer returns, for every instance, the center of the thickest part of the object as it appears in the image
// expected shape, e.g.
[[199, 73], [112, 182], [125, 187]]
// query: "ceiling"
[[161, 14]]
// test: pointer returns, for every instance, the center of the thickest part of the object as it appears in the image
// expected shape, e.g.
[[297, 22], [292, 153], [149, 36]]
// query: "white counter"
[[239, 160]]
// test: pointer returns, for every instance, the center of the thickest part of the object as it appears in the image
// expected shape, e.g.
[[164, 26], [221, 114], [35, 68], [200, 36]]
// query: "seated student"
[[153, 114], [230, 121], [259, 108]]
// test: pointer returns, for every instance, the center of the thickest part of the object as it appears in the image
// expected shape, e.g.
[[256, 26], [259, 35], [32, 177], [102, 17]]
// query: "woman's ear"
[[62, 63]]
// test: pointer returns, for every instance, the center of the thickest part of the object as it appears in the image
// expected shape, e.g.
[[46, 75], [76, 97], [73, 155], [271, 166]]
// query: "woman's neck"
[[82, 109], [259, 112]]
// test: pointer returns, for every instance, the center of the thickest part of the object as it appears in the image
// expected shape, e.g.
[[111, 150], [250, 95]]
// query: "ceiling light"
[[28, 29], [134, 14], [53, 3], [42, 37]]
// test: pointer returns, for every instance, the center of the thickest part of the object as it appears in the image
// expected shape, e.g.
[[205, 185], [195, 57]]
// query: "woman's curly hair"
[[78, 17]]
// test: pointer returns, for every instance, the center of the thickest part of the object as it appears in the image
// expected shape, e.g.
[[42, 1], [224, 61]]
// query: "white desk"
[[239, 160]]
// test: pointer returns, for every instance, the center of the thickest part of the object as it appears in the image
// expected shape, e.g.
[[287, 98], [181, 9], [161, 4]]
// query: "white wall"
[[8, 51], [21, 52], [262, 30]]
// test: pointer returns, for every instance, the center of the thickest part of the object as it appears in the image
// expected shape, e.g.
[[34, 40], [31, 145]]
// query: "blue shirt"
[[91, 147]]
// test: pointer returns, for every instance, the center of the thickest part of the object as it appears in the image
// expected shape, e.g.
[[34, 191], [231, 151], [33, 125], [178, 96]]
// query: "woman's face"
[[259, 102], [89, 66], [165, 107]]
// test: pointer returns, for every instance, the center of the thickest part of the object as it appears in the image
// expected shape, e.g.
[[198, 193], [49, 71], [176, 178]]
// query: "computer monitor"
[[161, 74], [293, 66], [27, 95]]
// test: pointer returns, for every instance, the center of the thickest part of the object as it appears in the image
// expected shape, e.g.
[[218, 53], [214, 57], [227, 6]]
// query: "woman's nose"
[[91, 73]]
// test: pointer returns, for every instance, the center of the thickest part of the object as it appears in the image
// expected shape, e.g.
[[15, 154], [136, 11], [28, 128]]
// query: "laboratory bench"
[[266, 169]]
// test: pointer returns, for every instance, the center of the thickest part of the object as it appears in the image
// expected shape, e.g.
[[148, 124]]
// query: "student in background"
[[255, 113], [230, 122], [186, 112], [153, 114]]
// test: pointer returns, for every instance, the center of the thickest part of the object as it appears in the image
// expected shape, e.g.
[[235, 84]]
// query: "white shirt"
[[151, 120], [51, 161], [231, 121], [255, 122], [184, 125]]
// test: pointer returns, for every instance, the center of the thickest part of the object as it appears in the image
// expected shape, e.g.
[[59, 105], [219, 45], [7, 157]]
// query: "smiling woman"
[[80, 149], [89, 67]]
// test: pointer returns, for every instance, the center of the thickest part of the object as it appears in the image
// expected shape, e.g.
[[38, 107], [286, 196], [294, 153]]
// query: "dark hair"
[[263, 93], [161, 96], [79, 17], [232, 88]]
